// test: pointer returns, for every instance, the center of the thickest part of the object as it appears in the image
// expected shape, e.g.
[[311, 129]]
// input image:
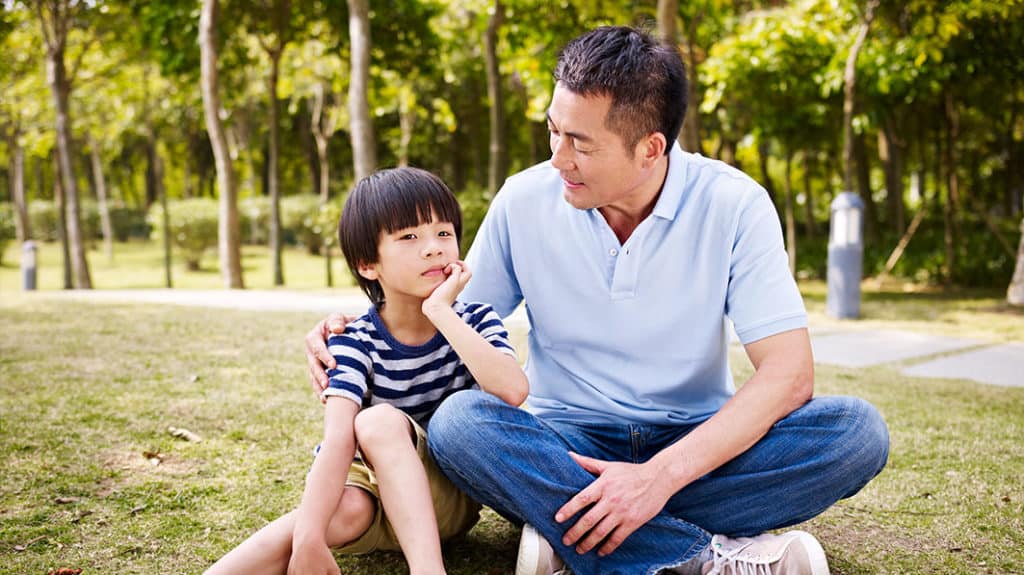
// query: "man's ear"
[[652, 147], [368, 271]]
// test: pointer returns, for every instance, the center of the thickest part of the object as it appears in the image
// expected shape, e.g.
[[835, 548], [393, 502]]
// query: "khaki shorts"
[[456, 512]]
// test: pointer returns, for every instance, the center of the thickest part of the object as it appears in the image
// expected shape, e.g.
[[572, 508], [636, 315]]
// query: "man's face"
[[596, 168]]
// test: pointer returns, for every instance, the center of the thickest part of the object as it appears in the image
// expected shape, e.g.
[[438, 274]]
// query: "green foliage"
[[474, 204], [193, 226]]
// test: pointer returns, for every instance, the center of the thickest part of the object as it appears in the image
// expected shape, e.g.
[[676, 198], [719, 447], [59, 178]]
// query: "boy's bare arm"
[[324, 487], [497, 373]]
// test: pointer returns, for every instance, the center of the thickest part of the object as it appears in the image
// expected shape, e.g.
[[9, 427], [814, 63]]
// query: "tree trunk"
[[766, 178], [890, 152], [497, 167], [62, 226], [850, 93], [691, 123], [863, 178], [364, 143], [16, 167], [227, 232], [161, 190], [809, 222], [952, 207], [790, 215], [1015, 292], [101, 197], [272, 175], [60, 86], [322, 128]]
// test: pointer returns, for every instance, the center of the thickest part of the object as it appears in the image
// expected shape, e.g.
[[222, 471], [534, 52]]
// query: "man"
[[637, 454]]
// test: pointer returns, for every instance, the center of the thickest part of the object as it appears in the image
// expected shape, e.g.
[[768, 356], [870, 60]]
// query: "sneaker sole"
[[528, 560], [815, 553]]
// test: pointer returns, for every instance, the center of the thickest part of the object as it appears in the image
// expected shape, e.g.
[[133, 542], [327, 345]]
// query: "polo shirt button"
[[613, 252]]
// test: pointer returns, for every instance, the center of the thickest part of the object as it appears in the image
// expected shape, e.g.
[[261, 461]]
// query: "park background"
[[191, 144]]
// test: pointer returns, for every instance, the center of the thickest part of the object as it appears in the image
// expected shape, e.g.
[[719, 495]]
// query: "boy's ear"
[[368, 271]]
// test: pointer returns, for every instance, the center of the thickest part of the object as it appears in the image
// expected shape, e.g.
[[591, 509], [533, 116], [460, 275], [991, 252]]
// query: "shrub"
[[128, 223], [301, 222], [42, 216], [193, 225]]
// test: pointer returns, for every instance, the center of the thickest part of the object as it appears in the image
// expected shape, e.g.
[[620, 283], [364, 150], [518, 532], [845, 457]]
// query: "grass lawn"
[[92, 479]]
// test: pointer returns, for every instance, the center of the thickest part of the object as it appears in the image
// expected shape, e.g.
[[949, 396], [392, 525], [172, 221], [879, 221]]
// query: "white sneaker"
[[790, 553], [536, 557]]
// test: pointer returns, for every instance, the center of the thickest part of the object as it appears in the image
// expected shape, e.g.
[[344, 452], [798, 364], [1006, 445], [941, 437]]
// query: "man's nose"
[[561, 158]]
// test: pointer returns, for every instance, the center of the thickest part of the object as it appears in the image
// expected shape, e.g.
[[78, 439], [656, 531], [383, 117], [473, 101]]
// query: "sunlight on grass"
[[88, 391]]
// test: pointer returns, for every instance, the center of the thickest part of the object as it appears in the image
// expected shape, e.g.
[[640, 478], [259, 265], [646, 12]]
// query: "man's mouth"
[[571, 184]]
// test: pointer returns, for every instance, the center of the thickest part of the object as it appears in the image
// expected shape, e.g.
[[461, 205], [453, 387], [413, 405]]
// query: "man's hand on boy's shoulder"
[[445, 294], [317, 356]]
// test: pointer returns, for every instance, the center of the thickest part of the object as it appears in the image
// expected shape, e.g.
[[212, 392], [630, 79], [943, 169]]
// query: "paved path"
[[958, 358]]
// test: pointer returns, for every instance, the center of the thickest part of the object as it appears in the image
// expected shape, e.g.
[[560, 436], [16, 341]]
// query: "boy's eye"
[[408, 237], [444, 233]]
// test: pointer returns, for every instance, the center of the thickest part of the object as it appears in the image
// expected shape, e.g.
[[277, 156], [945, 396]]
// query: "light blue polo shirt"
[[636, 332]]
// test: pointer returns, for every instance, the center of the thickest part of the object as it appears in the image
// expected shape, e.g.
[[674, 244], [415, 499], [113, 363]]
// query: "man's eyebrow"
[[574, 135]]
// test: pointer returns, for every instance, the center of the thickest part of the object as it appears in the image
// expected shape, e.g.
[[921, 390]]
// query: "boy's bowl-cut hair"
[[387, 201]]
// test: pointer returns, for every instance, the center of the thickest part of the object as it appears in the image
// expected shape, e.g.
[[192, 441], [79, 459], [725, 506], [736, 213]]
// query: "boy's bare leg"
[[268, 550], [384, 436]]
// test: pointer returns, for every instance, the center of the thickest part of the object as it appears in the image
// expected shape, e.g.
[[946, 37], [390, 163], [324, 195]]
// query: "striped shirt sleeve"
[[352, 374], [487, 323]]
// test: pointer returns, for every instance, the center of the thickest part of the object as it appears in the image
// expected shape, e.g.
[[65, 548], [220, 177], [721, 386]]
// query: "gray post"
[[28, 266], [845, 257]]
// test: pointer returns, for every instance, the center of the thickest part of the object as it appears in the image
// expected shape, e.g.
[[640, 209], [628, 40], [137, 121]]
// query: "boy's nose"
[[431, 249]]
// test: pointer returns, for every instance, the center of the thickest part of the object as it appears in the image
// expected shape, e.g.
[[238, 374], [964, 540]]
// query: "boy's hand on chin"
[[444, 295]]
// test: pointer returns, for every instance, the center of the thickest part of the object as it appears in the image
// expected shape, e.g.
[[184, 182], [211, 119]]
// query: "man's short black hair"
[[645, 79], [385, 202]]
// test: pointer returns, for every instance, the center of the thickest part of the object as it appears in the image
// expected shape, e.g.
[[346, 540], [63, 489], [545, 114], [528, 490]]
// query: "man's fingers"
[[595, 466], [577, 503], [583, 526], [617, 537], [596, 535], [335, 324]]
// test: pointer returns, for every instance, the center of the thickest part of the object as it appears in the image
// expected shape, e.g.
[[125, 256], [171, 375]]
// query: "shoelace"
[[739, 566]]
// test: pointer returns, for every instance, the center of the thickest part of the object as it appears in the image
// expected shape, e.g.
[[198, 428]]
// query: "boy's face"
[[412, 261]]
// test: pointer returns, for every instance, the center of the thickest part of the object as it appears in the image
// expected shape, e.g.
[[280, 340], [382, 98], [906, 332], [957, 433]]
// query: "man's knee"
[[458, 423], [864, 439]]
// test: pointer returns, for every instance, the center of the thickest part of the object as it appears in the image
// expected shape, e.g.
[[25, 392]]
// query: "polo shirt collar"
[[674, 188]]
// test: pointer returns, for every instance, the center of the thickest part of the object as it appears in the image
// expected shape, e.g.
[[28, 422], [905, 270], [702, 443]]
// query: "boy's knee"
[[380, 424]]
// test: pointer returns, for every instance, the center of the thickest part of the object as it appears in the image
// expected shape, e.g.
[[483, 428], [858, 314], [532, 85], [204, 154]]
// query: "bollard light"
[[28, 266], [845, 256]]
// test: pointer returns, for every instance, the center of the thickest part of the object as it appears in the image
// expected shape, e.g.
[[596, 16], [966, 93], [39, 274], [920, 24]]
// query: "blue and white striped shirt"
[[374, 367]]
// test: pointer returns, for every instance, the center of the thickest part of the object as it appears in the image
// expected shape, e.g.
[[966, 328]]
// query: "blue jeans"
[[518, 464]]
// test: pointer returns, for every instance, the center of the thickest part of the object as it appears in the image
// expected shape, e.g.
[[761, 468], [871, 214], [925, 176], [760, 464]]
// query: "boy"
[[416, 345]]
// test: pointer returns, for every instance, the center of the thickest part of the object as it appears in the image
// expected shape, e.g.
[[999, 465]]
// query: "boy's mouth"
[[434, 271]]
